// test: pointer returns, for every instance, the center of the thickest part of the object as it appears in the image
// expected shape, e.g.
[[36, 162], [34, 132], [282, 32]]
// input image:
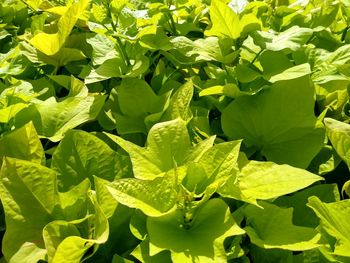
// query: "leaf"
[[291, 39], [141, 252], [72, 248], [81, 155], [292, 73], [7, 113], [179, 106], [29, 195], [267, 180], [167, 143], [201, 241], [24, 144], [154, 198], [226, 23], [339, 135], [103, 48], [53, 119], [223, 20], [334, 220], [132, 96], [261, 121], [271, 227], [213, 168], [50, 44]]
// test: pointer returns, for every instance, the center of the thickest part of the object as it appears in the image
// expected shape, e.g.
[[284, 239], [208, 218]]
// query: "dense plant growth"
[[175, 131]]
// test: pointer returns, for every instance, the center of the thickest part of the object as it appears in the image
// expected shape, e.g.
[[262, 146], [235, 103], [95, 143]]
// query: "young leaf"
[[167, 143], [266, 180], [29, 195], [334, 219], [53, 119], [339, 134], [154, 198], [272, 227], [261, 121], [24, 144], [81, 155], [50, 44], [201, 240]]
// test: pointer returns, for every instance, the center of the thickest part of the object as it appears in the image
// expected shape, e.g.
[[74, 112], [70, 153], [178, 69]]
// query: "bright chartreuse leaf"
[[201, 240], [30, 198], [292, 73], [303, 215], [131, 102], [154, 198], [81, 155], [290, 40], [226, 23], [23, 143], [266, 180], [66, 241], [260, 120], [168, 146], [185, 51], [53, 119], [136, 98], [339, 134], [179, 104], [120, 237], [141, 252], [75, 201], [334, 219], [103, 48], [213, 168], [50, 44], [272, 227], [281, 63], [7, 113], [41, 221]]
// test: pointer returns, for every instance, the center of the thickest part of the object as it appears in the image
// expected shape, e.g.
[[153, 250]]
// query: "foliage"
[[174, 131]]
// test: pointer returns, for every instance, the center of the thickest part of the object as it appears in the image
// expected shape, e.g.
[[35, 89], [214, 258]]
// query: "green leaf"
[[223, 21], [7, 113], [167, 143], [266, 180], [226, 23], [50, 44], [154, 198], [103, 48], [30, 198], [65, 240], [339, 135], [141, 252], [334, 219], [137, 98], [303, 215], [53, 119], [24, 144], [213, 168], [292, 73], [291, 39], [201, 241], [132, 102], [179, 105], [261, 122], [81, 155], [271, 227]]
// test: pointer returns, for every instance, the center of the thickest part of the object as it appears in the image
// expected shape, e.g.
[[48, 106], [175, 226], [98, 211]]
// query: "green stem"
[[172, 24], [256, 56], [120, 45], [123, 51]]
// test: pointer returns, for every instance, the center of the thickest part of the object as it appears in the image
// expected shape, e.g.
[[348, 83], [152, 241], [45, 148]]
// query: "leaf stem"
[[121, 47]]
